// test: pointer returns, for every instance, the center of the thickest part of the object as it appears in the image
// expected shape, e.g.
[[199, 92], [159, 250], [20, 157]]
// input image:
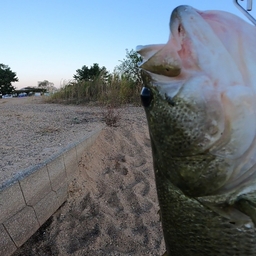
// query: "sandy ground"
[[32, 131], [112, 205]]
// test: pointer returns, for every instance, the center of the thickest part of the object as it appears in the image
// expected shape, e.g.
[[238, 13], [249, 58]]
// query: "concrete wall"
[[28, 200]]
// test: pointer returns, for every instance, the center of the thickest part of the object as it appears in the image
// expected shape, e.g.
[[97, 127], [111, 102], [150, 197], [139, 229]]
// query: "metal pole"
[[245, 11]]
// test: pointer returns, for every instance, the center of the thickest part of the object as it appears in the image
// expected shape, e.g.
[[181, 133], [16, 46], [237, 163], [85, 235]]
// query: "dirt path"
[[112, 206], [31, 131]]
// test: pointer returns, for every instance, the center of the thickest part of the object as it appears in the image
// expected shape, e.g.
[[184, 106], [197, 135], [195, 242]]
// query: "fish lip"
[[179, 14], [159, 59], [164, 68], [184, 15], [146, 77], [153, 80], [180, 10], [176, 46]]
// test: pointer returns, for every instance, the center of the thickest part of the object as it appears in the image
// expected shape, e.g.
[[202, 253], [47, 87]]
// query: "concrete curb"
[[34, 194]]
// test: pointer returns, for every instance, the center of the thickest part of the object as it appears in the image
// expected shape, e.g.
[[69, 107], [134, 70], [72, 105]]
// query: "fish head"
[[200, 101]]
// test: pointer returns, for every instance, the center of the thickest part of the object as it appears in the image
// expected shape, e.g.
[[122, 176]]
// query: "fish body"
[[200, 103]]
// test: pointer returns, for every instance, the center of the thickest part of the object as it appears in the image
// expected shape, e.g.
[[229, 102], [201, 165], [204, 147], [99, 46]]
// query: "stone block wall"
[[29, 200]]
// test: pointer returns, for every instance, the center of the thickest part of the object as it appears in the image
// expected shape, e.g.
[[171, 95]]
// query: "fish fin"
[[247, 205]]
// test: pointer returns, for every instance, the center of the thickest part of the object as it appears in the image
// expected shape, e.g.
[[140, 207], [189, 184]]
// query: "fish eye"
[[146, 97]]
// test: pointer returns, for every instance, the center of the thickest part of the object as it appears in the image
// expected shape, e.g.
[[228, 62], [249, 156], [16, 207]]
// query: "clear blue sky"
[[51, 39]]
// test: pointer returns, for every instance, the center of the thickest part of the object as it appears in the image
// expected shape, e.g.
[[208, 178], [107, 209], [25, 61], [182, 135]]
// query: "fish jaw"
[[202, 125], [178, 129], [158, 59], [201, 46], [192, 47], [222, 119]]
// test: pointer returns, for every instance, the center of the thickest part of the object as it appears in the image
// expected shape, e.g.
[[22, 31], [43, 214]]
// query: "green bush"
[[115, 91]]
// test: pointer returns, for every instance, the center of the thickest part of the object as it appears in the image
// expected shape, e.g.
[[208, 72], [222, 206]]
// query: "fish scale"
[[174, 145], [202, 232], [202, 124], [190, 227]]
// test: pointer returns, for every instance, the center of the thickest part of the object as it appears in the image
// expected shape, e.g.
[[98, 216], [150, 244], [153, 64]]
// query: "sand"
[[32, 131], [112, 208]]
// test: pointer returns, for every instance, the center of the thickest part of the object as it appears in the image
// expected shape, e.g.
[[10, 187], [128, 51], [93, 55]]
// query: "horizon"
[[51, 40]]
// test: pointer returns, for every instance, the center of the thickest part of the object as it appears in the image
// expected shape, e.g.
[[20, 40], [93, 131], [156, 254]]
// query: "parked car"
[[6, 96], [23, 94]]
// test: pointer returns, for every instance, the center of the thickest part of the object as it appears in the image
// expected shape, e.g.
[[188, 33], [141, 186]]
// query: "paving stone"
[[62, 194], [71, 163], [11, 201], [22, 225], [57, 172], [36, 186], [7, 246], [46, 207]]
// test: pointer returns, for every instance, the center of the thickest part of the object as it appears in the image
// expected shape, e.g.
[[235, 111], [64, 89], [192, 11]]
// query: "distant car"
[[6, 96], [23, 94]]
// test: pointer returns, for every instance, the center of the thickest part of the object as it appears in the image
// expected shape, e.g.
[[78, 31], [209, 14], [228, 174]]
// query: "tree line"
[[128, 69]]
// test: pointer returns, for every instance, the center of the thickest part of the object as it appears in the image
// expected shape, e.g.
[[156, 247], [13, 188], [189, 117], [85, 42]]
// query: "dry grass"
[[109, 94], [111, 116], [115, 92]]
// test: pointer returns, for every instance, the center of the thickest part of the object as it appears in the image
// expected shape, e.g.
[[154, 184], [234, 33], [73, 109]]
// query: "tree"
[[129, 66], [48, 86], [44, 84], [89, 74], [7, 76]]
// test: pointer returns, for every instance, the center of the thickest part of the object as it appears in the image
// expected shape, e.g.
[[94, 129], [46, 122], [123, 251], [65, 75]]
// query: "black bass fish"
[[200, 103]]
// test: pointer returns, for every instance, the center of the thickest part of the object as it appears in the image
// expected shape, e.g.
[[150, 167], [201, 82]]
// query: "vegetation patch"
[[111, 116], [96, 85], [90, 85]]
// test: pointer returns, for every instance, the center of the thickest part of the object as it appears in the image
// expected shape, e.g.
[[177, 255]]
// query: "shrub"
[[115, 91]]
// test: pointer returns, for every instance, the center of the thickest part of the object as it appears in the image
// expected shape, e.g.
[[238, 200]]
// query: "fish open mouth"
[[162, 63], [194, 46], [177, 55], [207, 66]]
